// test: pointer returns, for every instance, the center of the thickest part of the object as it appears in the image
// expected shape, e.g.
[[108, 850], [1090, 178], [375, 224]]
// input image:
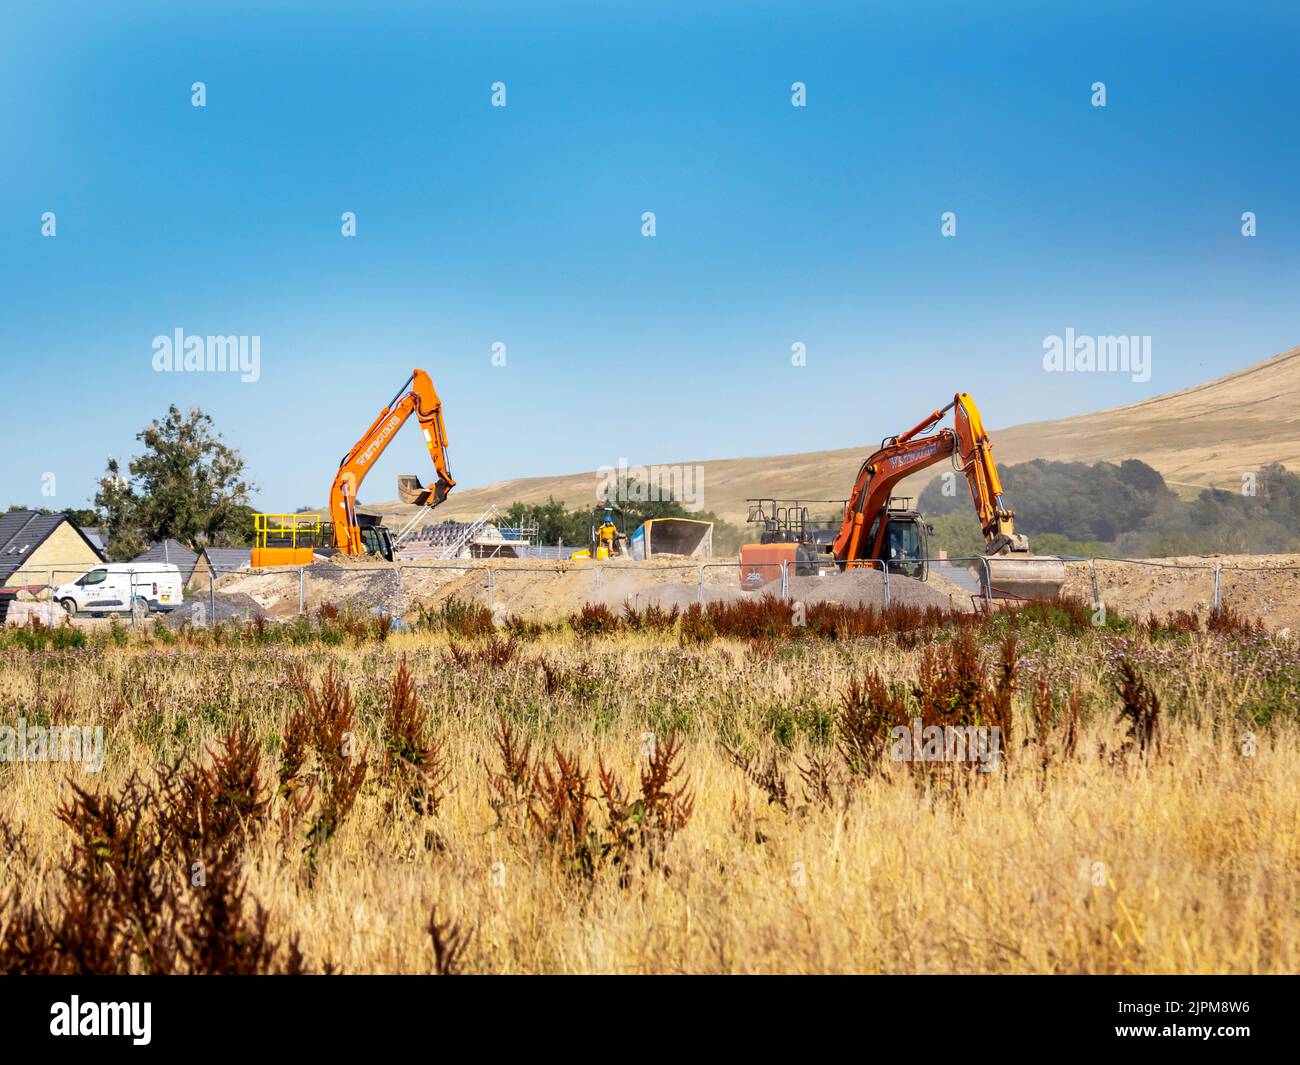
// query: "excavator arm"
[[976, 455], [1010, 568], [900, 456], [872, 487], [417, 396]]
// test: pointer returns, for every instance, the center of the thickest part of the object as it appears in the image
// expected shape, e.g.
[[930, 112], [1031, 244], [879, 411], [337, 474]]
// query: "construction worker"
[[608, 537]]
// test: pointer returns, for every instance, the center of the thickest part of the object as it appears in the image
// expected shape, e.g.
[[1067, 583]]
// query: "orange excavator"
[[875, 531], [293, 539], [416, 396]]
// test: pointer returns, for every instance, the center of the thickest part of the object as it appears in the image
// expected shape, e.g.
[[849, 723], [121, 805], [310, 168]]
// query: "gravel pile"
[[198, 611], [865, 587]]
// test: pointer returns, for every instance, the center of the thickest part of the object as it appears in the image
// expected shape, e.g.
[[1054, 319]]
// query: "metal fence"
[[396, 588], [141, 590], [510, 587]]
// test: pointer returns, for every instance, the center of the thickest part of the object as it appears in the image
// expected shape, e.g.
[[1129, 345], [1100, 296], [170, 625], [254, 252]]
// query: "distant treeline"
[[1126, 510]]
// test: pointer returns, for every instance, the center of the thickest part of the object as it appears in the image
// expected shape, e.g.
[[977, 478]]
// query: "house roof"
[[228, 559], [23, 531], [172, 551], [94, 534]]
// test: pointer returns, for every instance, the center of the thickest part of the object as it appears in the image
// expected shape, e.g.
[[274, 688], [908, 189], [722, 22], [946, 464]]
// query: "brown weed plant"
[[152, 883], [328, 727], [415, 764], [552, 800], [1139, 710]]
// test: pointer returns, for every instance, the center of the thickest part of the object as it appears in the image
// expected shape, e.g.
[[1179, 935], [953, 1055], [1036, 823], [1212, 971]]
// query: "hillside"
[[1205, 435]]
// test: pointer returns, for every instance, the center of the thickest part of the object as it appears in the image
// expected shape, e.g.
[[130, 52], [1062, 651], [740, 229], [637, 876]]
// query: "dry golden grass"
[[1094, 860]]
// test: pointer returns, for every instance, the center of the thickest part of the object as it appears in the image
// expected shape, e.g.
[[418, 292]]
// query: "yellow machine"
[[607, 539]]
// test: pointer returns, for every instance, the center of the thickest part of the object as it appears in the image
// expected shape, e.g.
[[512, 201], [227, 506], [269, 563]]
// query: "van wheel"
[[69, 607]]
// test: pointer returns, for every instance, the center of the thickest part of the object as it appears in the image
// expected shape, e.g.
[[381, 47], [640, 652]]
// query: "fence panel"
[[534, 588], [1140, 588], [1276, 588], [358, 588], [541, 588]]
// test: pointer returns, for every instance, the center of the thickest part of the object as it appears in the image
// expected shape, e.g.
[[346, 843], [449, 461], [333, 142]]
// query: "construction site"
[[875, 555], [869, 548], [590, 489]]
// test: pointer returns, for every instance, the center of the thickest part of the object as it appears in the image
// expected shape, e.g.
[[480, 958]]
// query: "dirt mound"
[[376, 586], [519, 586], [1266, 587], [866, 587], [529, 589], [532, 588]]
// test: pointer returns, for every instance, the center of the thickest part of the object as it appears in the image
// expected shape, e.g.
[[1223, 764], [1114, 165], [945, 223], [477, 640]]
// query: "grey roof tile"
[[21, 533], [171, 551]]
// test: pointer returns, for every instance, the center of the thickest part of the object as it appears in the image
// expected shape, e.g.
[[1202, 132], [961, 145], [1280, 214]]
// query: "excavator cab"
[[906, 540], [375, 537]]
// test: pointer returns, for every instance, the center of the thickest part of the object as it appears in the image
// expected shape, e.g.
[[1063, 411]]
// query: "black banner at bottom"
[[337, 1014]]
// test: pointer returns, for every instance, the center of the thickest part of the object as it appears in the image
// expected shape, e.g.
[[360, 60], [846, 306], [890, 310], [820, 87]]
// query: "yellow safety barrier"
[[288, 539]]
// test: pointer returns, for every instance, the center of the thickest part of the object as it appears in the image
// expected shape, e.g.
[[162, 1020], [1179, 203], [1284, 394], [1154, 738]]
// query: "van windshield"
[[95, 576]]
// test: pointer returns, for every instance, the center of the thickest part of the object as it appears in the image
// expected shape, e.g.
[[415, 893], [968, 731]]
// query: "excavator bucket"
[[1020, 575], [410, 490]]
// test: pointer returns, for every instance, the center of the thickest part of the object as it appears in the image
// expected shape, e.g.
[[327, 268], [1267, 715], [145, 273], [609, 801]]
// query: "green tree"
[[1127, 510], [957, 534], [555, 524], [83, 516], [188, 485]]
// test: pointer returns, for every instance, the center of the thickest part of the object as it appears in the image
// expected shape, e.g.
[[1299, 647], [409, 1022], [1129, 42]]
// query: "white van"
[[115, 586]]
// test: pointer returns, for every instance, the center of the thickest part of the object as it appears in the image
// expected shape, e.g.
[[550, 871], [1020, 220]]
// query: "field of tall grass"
[[654, 792]]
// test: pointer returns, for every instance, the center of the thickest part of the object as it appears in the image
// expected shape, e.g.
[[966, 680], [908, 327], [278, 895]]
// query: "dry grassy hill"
[[1208, 434]]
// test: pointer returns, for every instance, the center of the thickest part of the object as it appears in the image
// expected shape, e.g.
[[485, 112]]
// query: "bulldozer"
[[294, 539], [877, 530]]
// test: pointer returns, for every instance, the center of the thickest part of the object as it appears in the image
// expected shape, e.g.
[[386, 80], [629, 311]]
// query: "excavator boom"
[[417, 396], [1008, 566]]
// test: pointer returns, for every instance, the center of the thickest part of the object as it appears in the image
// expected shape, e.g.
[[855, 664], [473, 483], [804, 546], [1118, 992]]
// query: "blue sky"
[[522, 224]]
